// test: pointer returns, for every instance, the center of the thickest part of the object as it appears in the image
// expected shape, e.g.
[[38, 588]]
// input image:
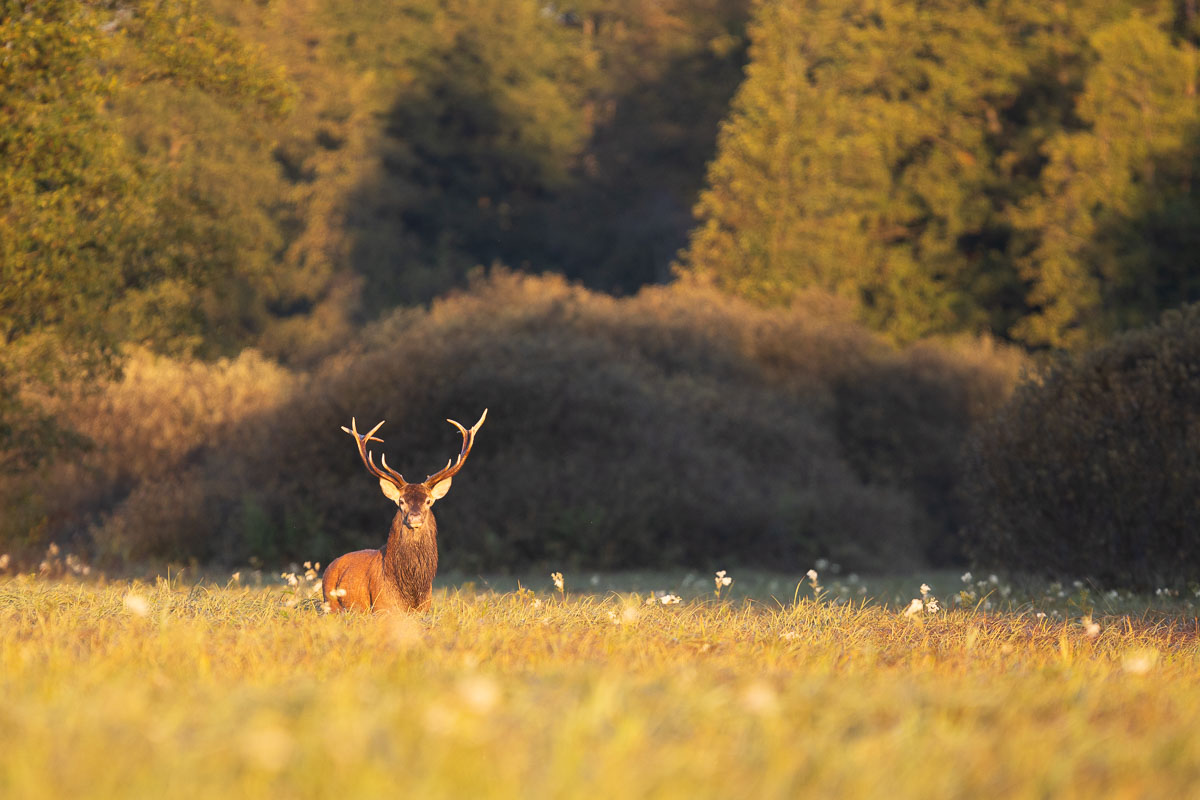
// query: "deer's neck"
[[410, 558]]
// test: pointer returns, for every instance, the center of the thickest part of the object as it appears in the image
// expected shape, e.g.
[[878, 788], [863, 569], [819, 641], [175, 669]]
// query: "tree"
[[857, 157], [1114, 232], [88, 229], [1021, 168]]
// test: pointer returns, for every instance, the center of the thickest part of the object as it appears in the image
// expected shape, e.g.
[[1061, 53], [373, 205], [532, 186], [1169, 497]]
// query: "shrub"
[[158, 421], [1093, 468], [676, 426]]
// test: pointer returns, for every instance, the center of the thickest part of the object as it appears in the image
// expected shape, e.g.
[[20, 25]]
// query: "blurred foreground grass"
[[130, 690]]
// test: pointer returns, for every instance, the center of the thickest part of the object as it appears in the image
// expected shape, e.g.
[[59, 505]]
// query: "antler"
[[362, 439], [452, 467]]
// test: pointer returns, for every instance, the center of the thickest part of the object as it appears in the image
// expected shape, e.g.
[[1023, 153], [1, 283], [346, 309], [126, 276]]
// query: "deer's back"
[[356, 581]]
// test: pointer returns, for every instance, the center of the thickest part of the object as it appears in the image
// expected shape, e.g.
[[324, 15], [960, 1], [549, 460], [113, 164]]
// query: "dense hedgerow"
[[676, 426], [1094, 468]]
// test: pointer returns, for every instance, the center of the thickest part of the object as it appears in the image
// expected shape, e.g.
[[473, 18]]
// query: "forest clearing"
[[130, 690], [840, 362]]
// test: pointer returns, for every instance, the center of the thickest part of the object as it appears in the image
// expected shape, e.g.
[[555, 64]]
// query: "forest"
[[892, 283]]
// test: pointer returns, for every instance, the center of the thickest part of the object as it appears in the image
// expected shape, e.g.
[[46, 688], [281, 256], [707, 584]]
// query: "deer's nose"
[[412, 521]]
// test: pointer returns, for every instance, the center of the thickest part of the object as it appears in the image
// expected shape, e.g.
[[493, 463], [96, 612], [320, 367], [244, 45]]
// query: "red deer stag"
[[400, 575]]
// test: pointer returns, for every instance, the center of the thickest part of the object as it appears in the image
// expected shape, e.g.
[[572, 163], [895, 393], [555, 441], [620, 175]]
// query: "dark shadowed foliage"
[[675, 427], [1094, 469]]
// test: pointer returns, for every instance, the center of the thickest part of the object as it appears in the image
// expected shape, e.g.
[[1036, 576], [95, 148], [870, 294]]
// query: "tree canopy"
[[1012, 167]]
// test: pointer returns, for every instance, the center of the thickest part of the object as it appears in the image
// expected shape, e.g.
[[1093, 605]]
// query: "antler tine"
[[454, 465], [383, 460], [367, 457]]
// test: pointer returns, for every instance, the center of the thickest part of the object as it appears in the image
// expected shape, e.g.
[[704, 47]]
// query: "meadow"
[[774, 686]]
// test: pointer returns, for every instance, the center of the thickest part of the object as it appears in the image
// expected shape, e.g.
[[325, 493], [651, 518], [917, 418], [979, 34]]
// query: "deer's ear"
[[390, 490], [440, 488]]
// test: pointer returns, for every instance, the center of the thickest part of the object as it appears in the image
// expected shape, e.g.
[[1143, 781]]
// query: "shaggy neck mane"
[[410, 558]]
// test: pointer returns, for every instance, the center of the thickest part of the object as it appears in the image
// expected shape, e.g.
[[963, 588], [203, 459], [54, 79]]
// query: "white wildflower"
[[1139, 662], [966, 577], [557, 577], [1092, 629], [669, 599], [136, 604], [914, 608], [721, 580], [931, 605]]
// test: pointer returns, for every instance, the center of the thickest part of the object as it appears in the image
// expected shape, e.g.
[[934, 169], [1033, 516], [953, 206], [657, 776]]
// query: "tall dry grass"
[[131, 691]]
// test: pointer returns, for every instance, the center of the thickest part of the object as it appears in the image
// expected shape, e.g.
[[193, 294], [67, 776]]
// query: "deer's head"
[[413, 499]]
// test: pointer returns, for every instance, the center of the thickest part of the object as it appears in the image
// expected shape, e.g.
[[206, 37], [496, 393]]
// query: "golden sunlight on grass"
[[137, 690]]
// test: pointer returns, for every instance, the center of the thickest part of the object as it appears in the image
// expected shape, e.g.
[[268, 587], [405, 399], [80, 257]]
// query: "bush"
[[1093, 468], [678, 426]]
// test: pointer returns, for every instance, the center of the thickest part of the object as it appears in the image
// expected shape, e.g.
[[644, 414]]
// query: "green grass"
[[129, 690]]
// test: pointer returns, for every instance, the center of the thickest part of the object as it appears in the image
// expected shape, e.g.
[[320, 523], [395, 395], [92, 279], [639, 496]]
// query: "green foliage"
[[96, 244], [1013, 167], [571, 141], [856, 157], [1115, 228], [1094, 468]]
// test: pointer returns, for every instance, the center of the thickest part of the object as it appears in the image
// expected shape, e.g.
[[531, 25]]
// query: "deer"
[[399, 575]]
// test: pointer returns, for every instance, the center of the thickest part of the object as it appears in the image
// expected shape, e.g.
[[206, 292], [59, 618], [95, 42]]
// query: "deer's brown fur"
[[399, 576]]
